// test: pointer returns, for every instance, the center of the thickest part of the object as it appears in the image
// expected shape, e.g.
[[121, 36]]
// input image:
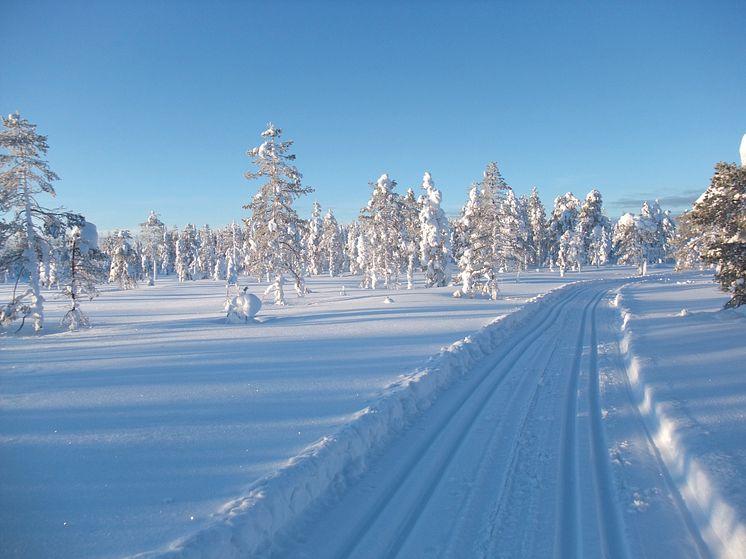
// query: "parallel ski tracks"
[[419, 462], [402, 494]]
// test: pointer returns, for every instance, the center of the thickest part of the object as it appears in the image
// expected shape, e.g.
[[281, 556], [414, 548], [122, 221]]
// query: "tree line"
[[394, 236]]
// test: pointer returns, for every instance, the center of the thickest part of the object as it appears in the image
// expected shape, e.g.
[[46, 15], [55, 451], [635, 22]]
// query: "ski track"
[[453, 468], [461, 420], [511, 461], [610, 524]]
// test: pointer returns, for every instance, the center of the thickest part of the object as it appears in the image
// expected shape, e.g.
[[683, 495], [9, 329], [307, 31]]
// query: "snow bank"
[[243, 526], [717, 520]]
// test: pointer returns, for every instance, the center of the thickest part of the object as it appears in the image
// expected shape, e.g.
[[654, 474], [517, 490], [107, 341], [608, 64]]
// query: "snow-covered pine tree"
[[330, 244], [689, 243], [351, 247], [274, 226], [633, 236], [190, 245], [479, 262], [720, 216], [564, 218], [381, 222], [537, 229], [206, 253], [513, 232], [591, 221], [151, 235], [435, 246], [495, 190], [411, 236], [665, 230], [24, 175], [312, 241], [183, 257], [364, 260], [600, 246], [86, 270], [120, 271], [167, 252]]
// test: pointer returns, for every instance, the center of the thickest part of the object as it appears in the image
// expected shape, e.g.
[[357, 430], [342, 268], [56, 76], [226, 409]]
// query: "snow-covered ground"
[[163, 421]]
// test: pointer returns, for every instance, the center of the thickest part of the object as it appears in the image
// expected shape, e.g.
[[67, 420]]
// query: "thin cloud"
[[683, 199]]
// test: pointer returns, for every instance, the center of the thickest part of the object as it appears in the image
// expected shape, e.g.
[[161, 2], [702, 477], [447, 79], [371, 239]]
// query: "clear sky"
[[153, 104]]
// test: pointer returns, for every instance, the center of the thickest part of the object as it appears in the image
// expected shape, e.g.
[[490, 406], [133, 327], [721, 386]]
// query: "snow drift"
[[717, 520]]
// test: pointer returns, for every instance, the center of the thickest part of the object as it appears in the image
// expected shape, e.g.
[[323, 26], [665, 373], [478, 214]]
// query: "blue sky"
[[153, 104]]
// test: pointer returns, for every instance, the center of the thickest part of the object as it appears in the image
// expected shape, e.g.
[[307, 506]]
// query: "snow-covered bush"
[[243, 307]]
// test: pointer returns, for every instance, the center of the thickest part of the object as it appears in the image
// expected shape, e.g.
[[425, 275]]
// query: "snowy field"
[[124, 438]]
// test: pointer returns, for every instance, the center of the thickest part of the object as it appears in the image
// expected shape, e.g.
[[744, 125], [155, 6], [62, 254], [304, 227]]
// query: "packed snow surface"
[[167, 431]]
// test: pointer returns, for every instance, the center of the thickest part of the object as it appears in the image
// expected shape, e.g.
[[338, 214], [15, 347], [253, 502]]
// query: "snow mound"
[[717, 520], [242, 308], [245, 525], [388, 300]]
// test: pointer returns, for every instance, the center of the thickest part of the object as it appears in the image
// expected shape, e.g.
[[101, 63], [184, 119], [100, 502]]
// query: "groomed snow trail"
[[511, 461]]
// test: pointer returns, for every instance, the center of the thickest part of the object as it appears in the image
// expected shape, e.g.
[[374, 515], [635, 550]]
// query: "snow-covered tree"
[[183, 256], [314, 252], [513, 232], [435, 246], [330, 244], [411, 235], [151, 235], [479, 261], [206, 252], [591, 222], [351, 247], [381, 221], [665, 230], [720, 215], [564, 218], [599, 247], [86, 270], [274, 226], [24, 176], [569, 252], [537, 229], [121, 250], [690, 242], [632, 239], [167, 252]]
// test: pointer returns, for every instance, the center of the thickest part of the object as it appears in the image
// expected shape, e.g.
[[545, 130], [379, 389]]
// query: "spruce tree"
[[720, 216], [381, 221], [151, 235], [274, 226], [330, 244], [537, 229], [314, 253], [435, 244]]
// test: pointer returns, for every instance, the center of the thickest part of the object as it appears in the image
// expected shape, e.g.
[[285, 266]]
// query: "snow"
[[687, 377], [176, 431]]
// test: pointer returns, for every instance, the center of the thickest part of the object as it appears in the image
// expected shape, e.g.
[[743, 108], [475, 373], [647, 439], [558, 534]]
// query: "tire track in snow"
[[478, 395]]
